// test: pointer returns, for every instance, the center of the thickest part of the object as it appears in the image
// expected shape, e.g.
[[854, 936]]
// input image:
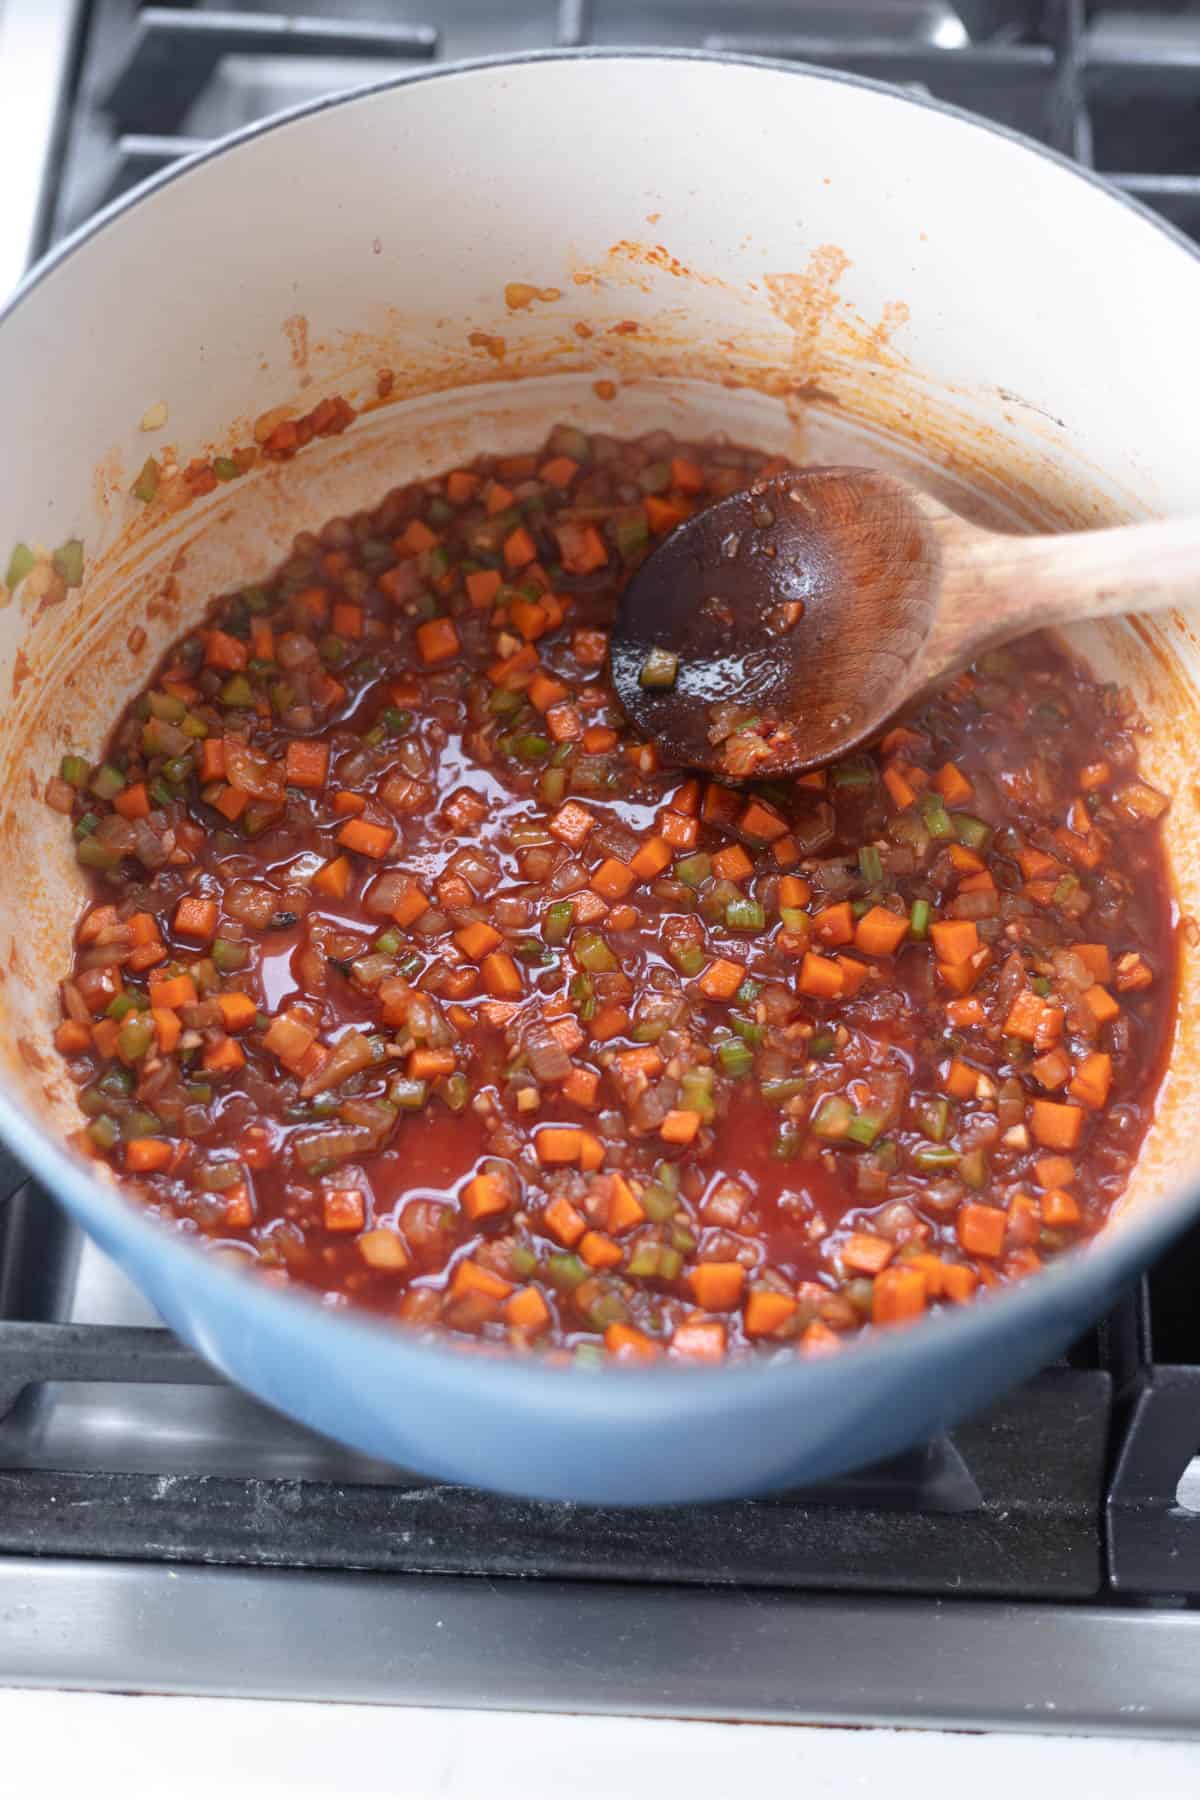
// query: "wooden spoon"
[[783, 626]]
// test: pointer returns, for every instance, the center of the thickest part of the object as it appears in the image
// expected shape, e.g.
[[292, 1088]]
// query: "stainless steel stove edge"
[[716, 1653]]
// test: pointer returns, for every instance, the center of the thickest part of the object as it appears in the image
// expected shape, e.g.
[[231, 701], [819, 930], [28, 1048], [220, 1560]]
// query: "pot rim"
[[600, 1393]]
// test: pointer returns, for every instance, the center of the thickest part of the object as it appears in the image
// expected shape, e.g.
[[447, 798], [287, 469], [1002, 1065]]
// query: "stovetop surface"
[[1041, 1565]]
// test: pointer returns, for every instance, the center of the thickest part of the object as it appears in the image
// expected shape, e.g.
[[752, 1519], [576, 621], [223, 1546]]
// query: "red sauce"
[[412, 977]]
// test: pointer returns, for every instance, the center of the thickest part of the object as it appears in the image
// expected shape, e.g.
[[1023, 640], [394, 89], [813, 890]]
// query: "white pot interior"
[[789, 283]]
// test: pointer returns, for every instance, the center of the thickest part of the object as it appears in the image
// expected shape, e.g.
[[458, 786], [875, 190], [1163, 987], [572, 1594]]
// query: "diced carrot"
[[559, 471], [290, 1039], [598, 739], [347, 619], [1096, 959], [952, 785], [699, 1340], [599, 1252], [482, 586], [625, 1210], [223, 1057], [239, 1209], [960, 1080], [717, 1286], [954, 940], [498, 498], [461, 485], [306, 763], [766, 1312], [1054, 1171], [417, 537], [854, 973], [1051, 1070], [477, 939], [195, 918], [231, 802], [519, 548], [1049, 1027], [580, 1088], [880, 932], [429, 1065], [867, 1254], [958, 1282], [732, 864], [238, 1011], [500, 976], [664, 515], [545, 692], [680, 1126], [820, 977], [610, 1022], [898, 1294], [1024, 1016], [367, 839], [526, 1311], [1059, 1209], [721, 805], [97, 920], [133, 802], [834, 925], [72, 1038], [982, 883], [613, 879], [472, 1278], [571, 824], [589, 908], [761, 823], [1056, 1126], [173, 991], [591, 1152], [964, 1013], [168, 1028], [343, 1209], [722, 979], [1093, 1079], [680, 832], [899, 789], [563, 1222], [333, 878], [794, 891], [819, 1339], [221, 651], [653, 857], [687, 475], [1085, 853], [104, 1038], [315, 602], [1101, 1004], [437, 639], [625, 1343], [146, 1154], [212, 759], [347, 805], [966, 861], [484, 1195], [981, 1228], [961, 977], [558, 1144], [786, 851], [530, 619]]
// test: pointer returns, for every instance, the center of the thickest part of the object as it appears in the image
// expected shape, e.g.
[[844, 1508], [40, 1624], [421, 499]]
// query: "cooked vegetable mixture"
[[412, 977]]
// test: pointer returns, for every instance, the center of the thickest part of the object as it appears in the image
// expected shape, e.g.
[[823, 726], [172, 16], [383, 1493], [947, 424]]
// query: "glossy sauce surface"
[[412, 977]]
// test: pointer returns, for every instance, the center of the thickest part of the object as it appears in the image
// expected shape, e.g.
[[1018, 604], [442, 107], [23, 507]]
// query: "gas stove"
[[160, 1531]]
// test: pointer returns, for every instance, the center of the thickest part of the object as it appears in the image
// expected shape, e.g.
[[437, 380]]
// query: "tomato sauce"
[[410, 976]]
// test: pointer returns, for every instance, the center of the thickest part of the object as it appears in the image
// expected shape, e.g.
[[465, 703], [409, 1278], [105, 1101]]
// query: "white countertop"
[[191, 1749]]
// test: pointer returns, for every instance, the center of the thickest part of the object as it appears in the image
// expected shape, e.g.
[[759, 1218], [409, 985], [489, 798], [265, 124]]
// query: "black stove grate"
[[1068, 1490]]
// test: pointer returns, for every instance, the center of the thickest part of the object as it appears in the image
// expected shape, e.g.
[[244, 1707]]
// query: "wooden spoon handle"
[[995, 587]]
